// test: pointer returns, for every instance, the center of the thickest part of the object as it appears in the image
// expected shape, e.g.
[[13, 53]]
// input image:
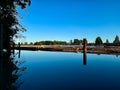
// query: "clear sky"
[[69, 19]]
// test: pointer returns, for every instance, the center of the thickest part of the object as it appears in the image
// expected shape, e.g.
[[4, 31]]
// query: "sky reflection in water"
[[66, 71]]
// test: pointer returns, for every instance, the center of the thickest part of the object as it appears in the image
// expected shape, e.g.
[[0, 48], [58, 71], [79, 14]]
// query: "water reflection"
[[117, 55], [10, 71], [61, 71], [19, 52], [84, 58]]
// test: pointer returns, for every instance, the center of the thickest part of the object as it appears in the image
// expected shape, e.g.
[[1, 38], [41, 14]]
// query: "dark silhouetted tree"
[[9, 21], [107, 42], [116, 41], [71, 42], [10, 26], [25, 43], [76, 42], [98, 41], [31, 43]]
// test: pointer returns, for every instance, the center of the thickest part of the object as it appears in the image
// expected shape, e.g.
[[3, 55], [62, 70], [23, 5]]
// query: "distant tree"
[[21, 43], [76, 42], [116, 41], [107, 42], [98, 41], [59, 42], [25, 43], [81, 41], [36, 43], [71, 42], [31, 43], [91, 44], [50, 43]]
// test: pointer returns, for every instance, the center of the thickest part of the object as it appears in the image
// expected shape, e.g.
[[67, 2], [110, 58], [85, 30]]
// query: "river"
[[69, 71]]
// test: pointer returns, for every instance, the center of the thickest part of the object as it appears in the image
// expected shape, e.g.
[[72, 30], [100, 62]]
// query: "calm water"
[[68, 71]]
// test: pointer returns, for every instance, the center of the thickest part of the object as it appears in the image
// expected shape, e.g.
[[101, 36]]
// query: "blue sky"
[[69, 19]]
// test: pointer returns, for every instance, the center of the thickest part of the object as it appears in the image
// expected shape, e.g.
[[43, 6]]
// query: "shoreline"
[[96, 50]]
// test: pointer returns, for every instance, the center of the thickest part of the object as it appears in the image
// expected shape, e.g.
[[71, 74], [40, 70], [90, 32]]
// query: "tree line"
[[98, 42], [116, 41], [45, 43], [55, 42]]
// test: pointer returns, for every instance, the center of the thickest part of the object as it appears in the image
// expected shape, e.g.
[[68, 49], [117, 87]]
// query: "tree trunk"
[[1, 39]]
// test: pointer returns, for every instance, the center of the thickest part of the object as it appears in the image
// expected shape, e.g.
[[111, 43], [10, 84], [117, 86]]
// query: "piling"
[[84, 58], [84, 51], [84, 45]]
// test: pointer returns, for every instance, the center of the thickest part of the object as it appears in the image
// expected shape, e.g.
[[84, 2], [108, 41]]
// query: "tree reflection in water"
[[10, 71]]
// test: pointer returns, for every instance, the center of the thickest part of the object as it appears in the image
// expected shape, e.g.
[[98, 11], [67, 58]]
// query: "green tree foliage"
[[37, 43], [31, 43], [71, 42], [8, 18], [81, 41], [116, 41], [21, 43], [50, 43], [107, 41], [98, 41], [25, 43], [76, 42], [91, 44]]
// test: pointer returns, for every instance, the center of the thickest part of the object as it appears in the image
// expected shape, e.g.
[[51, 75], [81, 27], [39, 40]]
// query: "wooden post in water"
[[84, 58], [84, 45], [19, 50], [84, 52]]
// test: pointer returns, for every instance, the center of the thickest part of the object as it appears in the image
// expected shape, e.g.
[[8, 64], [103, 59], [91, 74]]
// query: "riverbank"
[[72, 48]]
